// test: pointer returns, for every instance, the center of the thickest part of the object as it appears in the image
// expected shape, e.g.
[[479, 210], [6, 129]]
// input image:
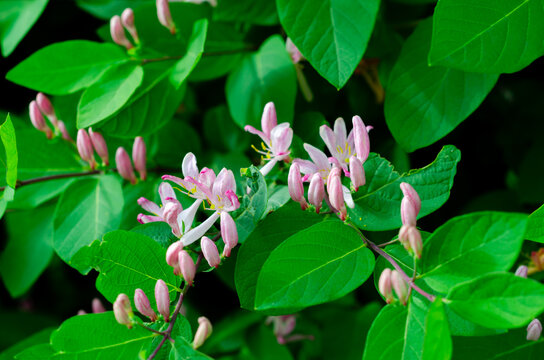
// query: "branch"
[[53, 177]]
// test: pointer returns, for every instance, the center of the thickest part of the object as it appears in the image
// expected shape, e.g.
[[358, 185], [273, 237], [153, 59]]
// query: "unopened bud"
[[408, 213], [162, 297], [81, 312], [142, 304], [295, 186], [123, 311], [336, 194], [360, 139], [294, 52], [229, 233], [170, 214], [269, 119], [65, 135], [414, 239], [522, 271], [534, 330], [203, 332], [99, 145], [97, 306], [165, 18], [127, 18], [124, 166], [172, 256], [187, 266], [85, 147], [118, 33], [357, 172], [38, 120], [211, 254], [410, 193], [400, 286], [139, 156], [316, 191], [385, 287], [46, 107]]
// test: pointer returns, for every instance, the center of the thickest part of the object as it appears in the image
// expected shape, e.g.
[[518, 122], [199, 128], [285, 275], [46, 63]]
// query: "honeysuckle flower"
[[38, 121], [142, 304], [409, 235], [162, 298], [85, 147], [203, 332], [127, 18], [123, 311], [385, 285], [276, 138], [210, 252], [164, 15], [118, 33], [47, 108], [139, 156], [534, 330], [400, 286], [99, 145], [197, 184]]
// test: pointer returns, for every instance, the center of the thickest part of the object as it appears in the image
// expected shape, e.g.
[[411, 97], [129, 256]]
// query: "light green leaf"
[[385, 339], [185, 65], [498, 300], [108, 94], [487, 36], [331, 34], [7, 134], [181, 349], [535, 226], [437, 344], [86, 210], [472, 245], [377, 204], [66, 67], [424, 103]]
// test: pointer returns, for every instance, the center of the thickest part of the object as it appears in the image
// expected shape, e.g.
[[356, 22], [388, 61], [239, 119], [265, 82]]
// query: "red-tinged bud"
[[522, 271], [172, 256], [127, 18], [410, 193], [97, 306], [414, 239], [118, 33], [142, 304], [211, 254], [408, 213], [85, 147], [170, 214], [162, 297], [65, 135], [139, 156], [360, 139], [316, 191], [165, 18], [203, 332], [385, 286], [38, 120], [336, 195], [295, 186], [400, 286], [46, 107], [123, 311], [534, 330], [187, 266], [124, 166], [357, 172], [100, 146], [229, 233]]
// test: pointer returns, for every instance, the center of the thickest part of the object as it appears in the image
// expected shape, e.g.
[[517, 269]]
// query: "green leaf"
[[498, 300], [228, 333], [185, 65], [377, 204], [105, 9], [263, 345], [16, 19], [29, 249], [40, 337], [181, 349], [319, 264], [535, 226], [259, 12], [472, 245], [108, 94], [331, 34], [7, 134], [66, 67], [38, 352], [86, 210], [437, 344], [127, 261], [385, 339], [268, 75], [487, 36], [424, 103]]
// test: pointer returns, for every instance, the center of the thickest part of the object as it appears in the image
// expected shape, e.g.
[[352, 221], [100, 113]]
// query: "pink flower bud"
[[385, 286], [269, 120], [97, 306], [534, 330], [38, 120], [414, 239], [336, 194], [124, 166], [410, 193], [522, 271], [203, 332], [170, 214], [408, 213], [139, 156], [142, 304], [123, 311], [65, 135], [296, 188], [357, 172], [81, 312], [316, 191], [118, 33], [361, 139], [46, 107], [400, 286], [187, 266], [403, 236], [99, 145], [165, 18], [85, 147], [211, 254], [127, 18], [229, 233], [294, 52], [162, 297]]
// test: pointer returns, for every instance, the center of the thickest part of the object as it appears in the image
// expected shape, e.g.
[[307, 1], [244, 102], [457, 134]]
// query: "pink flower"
[[118, 33]]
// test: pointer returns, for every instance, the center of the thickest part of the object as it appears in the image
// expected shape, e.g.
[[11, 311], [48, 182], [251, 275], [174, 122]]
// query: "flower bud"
[[229, 233], [408, 213], [211, 254], [534, 330], [294, 52], [172, 256], [336, 194], [316, 191], [269, 119], [203, 332], [360, 139], [139, 156], [187, 266], [142, 304], [118, 33], [99, 145], [38, 120], [410, 193], [123, 311], [162, 297], [385, 286], [357, 172], [124, 166], [295, 186], [400, 286], [81, 312], [403, 236], [127, 18], [165, 18], [97, 306], [65, 135], [85, 147], [522, 271], [170, 213], [414, 239], [46, 107]]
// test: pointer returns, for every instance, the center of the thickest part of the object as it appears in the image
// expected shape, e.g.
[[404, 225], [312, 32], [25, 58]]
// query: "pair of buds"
[[42, 105], [118, 24], [124, 165]]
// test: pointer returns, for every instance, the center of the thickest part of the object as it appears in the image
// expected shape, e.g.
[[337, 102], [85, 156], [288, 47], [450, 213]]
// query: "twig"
[[150, 329], [53, 177], [388, 243]]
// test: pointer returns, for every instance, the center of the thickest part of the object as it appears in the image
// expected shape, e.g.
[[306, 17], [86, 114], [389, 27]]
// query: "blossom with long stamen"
[[197, 184]]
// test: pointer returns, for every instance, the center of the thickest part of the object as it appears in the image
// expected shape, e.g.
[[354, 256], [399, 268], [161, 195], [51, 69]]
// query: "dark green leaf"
[[437, 344]]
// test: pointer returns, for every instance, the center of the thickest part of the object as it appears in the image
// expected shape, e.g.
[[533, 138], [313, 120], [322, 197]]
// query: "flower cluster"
[[392, 280]]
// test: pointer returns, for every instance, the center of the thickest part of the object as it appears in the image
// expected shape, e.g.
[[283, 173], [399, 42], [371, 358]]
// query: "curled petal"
[[144, 219], [340, 132], [166, 191], [269, 119], [329, 138], [318, 157], [188, 166], [347, 197], [361, 139], [150, 206], [187, 216], [250, 129], [280, 139]]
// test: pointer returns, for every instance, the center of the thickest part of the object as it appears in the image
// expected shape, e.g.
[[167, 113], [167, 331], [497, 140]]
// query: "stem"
[[53, 177], [150, 329], [388, 243]]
